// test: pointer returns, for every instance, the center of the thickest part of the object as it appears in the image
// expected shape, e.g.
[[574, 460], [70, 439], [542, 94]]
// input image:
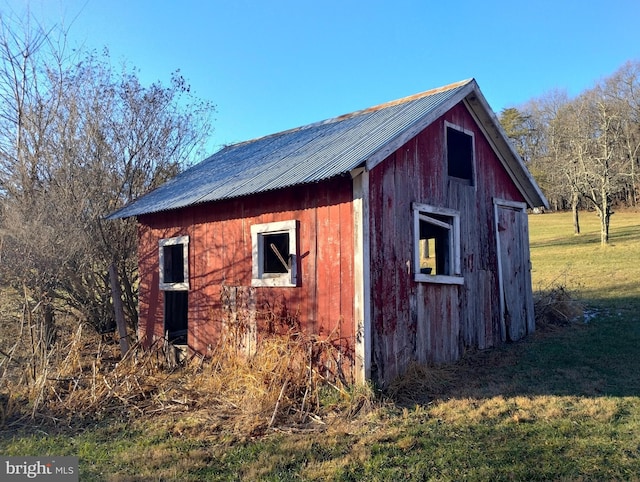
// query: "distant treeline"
[[584, 151]]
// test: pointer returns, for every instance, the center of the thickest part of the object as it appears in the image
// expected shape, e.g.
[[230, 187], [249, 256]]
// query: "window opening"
[[436, 244], [276, 253], [460, 153], [174, 263]]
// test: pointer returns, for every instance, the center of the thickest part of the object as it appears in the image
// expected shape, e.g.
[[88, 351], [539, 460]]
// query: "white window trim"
[[258, 277], [184, 240], [473, 150], [419, 211]]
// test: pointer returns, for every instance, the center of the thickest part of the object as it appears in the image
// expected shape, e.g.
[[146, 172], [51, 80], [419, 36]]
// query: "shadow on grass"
[[597, 358], [587, 239]]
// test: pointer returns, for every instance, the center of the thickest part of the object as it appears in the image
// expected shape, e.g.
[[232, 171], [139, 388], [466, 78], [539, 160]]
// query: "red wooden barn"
[[400, 229]]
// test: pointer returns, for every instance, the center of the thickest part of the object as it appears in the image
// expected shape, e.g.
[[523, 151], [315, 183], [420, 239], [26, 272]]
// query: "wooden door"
[[514, 270]]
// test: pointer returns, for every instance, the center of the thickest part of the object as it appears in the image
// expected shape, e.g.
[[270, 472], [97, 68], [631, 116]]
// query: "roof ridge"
[[402, 100], [384, 105]]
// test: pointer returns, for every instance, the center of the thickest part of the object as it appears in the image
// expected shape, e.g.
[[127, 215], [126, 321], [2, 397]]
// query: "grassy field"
[[561, 405], [604, 276]]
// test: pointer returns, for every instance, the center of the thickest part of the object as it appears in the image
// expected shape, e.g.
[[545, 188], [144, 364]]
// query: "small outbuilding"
[[399, 231]]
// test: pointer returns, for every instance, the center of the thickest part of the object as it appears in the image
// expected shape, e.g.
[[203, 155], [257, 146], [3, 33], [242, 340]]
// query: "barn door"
[[514, 270]]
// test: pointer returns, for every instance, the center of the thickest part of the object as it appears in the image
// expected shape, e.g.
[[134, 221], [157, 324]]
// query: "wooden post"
[[116, 294]]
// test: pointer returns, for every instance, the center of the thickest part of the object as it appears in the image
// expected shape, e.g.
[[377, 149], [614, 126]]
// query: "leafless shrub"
[[556, 306]]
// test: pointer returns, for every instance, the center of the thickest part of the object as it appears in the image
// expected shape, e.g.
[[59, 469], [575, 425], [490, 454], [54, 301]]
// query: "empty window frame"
[[174, 282], [274, 254], [460, 153], [174, 263], [436, 250]]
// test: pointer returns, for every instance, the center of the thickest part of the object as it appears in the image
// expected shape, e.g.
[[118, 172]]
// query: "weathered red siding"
[[220, 256], [422, 321]]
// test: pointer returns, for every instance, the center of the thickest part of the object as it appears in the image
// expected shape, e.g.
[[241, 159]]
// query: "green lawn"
[[561, 405], [604, 276]]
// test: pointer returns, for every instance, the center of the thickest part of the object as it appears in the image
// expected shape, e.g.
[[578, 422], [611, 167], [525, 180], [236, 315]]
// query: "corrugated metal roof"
[[304, 155]]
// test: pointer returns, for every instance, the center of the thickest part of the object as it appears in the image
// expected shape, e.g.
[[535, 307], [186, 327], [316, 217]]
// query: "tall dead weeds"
[[281, 385]]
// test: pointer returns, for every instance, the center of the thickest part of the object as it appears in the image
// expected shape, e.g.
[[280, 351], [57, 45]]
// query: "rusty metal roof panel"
[[304, 155]]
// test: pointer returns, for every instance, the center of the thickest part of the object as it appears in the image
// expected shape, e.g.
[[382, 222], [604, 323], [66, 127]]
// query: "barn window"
[[174, 282], [274, 254], [174, 263], [436, 244], [459, 153]]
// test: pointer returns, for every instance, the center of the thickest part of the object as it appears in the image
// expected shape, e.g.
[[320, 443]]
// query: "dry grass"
[[527, 409], [280, 386], [420, 383], [292, 382]]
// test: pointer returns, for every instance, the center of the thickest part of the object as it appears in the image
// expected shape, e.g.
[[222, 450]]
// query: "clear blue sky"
[[275, 64]]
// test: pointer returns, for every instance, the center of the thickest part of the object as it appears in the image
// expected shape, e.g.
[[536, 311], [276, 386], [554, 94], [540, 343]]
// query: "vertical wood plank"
[[361, 314]]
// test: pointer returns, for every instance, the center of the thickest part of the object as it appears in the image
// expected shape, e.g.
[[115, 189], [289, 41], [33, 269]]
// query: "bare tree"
[[569, 151], [583, 141], [548, 148], [79, 139], [27, 109], [622, 92]]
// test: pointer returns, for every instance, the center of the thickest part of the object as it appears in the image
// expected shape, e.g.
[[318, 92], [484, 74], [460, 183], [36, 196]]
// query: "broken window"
[[460, 153], [436, 244], [274, 254], [174, 282]]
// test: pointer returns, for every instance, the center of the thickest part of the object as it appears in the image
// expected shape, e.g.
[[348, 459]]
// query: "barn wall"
[[220, 266], [424, 321]]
